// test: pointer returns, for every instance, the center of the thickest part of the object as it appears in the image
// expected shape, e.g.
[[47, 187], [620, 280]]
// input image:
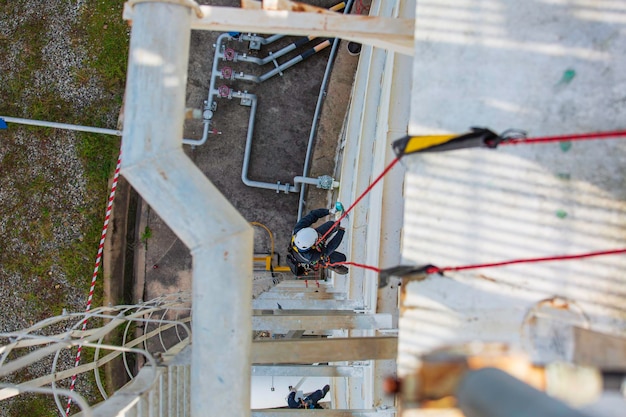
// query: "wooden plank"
[[384, 32], [251, 4], [285, 5], [324, 350], [293, 6], [600, 350]]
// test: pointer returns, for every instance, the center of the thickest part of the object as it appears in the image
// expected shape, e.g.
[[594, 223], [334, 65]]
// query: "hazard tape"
[[94, 277]]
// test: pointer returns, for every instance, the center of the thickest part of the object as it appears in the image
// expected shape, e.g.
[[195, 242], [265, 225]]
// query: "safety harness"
[[299, 264]]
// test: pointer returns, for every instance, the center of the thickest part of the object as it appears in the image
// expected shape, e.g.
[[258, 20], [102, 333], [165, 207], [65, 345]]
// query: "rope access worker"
[[308, 251], [297, 400]]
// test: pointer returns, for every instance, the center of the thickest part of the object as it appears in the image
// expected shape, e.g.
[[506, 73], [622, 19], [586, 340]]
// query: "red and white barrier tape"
[[95, 270]]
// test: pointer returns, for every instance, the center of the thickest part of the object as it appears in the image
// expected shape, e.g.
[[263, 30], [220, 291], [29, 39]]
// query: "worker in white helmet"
[[307, 248]]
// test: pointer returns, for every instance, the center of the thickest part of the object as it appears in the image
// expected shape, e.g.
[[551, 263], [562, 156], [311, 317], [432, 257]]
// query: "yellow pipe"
[[338, 6], [268, 259], [269, 232]]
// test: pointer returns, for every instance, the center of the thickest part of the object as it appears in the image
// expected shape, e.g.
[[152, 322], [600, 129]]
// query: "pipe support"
[[221, 242]]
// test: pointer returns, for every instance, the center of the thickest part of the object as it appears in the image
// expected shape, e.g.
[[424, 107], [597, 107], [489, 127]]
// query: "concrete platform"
[[548, 68]]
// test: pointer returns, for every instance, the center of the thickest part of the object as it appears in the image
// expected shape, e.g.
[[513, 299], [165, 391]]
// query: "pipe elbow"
[[198, 142]]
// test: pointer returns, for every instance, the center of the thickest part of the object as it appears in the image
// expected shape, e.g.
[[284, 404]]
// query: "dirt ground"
[[146, 259], [286, 105]]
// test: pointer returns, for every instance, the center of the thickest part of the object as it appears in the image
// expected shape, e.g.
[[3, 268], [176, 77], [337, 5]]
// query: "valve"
[[229, 54], [227, 73], [224, 91], [325, 182]]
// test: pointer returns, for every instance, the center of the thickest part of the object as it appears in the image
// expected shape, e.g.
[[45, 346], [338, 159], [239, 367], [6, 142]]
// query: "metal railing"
[[146, 333]]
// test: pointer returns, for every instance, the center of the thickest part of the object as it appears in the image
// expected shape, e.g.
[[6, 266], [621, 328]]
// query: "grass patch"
[[33, 406], [105, 31], [147, 234], [100, 30]]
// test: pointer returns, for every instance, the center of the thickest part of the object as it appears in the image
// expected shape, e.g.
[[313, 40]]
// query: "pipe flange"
[[227, 73], [229, 54], [223, 91], [325, 182]]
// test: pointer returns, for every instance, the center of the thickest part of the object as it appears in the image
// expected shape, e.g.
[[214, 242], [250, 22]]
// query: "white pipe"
[[212, 91], [316, 115], [66, 126], [219, 238], [262, 40], [272, 56], [312, 181], [278, 187], [246, 77], [305, 180], [248, 150]]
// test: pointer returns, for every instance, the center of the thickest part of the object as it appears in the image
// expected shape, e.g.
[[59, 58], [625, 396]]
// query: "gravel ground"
[[43, 196]]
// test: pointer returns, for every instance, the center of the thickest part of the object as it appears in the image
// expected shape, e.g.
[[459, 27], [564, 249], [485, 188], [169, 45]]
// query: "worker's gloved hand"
[[332, 210]]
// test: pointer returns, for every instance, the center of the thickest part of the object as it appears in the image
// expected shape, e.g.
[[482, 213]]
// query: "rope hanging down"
[[94, 276], [363, 194], [478, 137]]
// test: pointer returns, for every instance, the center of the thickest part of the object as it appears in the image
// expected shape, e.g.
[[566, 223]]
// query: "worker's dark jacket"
[[313, 255], [310, 400], [292, 402]]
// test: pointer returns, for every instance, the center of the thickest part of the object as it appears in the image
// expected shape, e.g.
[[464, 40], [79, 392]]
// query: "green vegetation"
[[99, 29], [33, 405], [147, 234], [38, 207]]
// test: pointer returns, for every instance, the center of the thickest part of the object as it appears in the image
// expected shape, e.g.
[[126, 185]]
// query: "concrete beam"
[[155, 164], [308, 370], [382, 32], [604, 351], [299, 311], [286, 412], [280, 323], [299, 295], [324, 350], [265, 304]]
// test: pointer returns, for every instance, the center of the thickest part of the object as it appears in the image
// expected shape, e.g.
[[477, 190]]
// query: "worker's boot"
[[341, 269]]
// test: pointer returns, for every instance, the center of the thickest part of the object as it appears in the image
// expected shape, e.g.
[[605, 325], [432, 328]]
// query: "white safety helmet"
[[305, 238]]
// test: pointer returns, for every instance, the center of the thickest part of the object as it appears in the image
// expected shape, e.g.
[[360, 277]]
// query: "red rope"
[[367, 190], [581, 136], [371, 268], [435, 269]]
